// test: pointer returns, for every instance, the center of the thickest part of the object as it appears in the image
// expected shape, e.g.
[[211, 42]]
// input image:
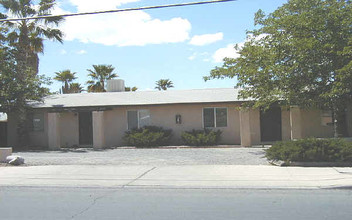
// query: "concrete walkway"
[[204, 176]]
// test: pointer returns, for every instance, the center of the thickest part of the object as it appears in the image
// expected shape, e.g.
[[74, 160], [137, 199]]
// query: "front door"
[[85, 128], [270, 124], [3, 134]]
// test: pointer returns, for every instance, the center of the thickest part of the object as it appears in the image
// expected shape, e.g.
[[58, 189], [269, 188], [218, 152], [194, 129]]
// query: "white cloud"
[[201, 40], [63, 52], [90, 5], [200, 55], [193, 56], [136, 28], [81, 52], [228, 51]]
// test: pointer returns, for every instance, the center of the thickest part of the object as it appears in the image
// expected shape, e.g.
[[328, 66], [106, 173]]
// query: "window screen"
[[221, 117], [38, 122], [132, 119], [138, 119], [208, 117], [144, 118], [215, 117]]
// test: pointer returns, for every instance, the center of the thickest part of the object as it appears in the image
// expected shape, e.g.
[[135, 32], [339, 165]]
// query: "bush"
[[148, 136], [204, 137], [311, 150]]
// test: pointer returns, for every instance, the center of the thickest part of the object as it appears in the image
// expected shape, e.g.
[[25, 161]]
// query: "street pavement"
[[184, 177], [174, 204]]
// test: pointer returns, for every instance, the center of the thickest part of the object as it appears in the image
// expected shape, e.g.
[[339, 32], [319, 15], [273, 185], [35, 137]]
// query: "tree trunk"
[[334, 120]]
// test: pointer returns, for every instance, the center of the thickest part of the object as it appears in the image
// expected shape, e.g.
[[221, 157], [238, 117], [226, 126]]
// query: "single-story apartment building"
[[101, 119]]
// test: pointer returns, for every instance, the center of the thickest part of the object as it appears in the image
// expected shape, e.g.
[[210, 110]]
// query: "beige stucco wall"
[[40, 138], [115, 126], [12, 138], [36, 138], [311, 125], [285, 124], [254, 118], [69, 129], [349, 120], [164, 116]]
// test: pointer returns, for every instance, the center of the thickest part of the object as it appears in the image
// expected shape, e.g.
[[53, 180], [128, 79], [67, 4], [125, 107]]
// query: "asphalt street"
[[143, 204]]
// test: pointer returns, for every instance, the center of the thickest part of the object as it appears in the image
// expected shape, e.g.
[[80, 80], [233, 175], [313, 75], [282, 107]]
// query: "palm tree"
[[66, 77], [75, 88], [164, 84], [27, 36], [99, 75]]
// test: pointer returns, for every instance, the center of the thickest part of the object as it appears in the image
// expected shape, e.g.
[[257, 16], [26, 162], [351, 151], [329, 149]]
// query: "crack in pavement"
[[90, 206], [342, 172], [101, 197], [143, 174]]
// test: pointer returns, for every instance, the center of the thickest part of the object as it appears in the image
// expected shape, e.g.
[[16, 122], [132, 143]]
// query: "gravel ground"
[[159, 157]]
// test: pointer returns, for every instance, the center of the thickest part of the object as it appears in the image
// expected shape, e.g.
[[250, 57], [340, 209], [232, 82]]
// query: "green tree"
[[99, 75], [66, 77], [27, 36], [17, 87], [75, 88], [301, 54], [164, 84]]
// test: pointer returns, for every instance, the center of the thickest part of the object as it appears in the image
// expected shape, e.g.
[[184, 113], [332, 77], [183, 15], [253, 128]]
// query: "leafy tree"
[[99, 75], [66, 77], [301, 54], [164, 84], [28, 35], [17, 87]]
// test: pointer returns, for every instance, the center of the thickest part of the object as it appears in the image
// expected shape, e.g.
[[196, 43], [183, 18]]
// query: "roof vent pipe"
[[115, 85]]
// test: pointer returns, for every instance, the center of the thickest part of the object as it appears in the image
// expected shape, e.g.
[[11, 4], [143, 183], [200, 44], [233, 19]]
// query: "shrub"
[[148, 136], [204, 137], [311, 150]]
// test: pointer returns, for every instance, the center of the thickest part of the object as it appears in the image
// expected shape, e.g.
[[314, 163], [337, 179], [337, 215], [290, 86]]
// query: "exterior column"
[[98, 129], [54, 131], [245, 128], [295, 122]]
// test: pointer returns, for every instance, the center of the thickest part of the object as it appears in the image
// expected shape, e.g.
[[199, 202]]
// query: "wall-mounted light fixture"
[[178, 119]]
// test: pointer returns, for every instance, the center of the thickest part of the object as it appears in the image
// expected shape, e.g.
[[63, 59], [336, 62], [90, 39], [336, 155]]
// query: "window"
[[326, 117], [138, 119], [38, 122], [215, 117]]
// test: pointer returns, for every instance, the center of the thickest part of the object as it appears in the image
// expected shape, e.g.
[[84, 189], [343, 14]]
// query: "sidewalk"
[[194, 176]]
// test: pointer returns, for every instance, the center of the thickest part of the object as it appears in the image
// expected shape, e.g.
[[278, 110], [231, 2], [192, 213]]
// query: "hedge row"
[[311, 150], [151, 136]]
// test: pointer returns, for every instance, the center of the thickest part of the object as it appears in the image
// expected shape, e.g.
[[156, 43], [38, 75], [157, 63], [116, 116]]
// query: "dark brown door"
[[85, 128], [3, 134], [270, 124]]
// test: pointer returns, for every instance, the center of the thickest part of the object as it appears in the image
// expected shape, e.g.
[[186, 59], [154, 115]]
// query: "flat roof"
[[139, 98]]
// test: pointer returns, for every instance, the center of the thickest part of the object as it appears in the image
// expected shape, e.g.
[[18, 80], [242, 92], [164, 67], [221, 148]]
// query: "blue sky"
[[182, 44]]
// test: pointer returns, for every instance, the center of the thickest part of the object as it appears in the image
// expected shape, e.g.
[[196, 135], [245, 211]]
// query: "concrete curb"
[[311, 164], [183, 177]]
